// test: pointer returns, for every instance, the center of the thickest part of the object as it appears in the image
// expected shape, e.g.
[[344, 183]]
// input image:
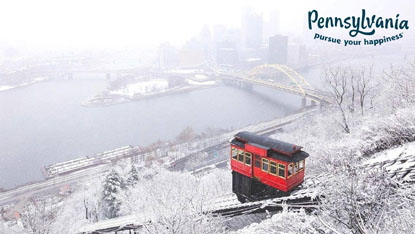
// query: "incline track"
[[303, 196], [401, 168]]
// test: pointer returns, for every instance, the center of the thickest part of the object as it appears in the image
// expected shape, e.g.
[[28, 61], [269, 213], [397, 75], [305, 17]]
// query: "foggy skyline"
[[109, 24]]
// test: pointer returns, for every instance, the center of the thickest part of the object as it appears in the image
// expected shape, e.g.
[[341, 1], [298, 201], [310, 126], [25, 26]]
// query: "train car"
[[263, 167]]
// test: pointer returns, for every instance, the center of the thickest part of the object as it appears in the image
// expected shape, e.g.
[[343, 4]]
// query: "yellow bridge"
[[283, 78]]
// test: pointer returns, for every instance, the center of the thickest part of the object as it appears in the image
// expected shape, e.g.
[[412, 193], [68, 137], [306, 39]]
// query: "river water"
[[44, 123]]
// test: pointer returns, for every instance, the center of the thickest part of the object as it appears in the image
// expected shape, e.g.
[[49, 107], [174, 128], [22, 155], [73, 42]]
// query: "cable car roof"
[[271, 143], [276, 149]]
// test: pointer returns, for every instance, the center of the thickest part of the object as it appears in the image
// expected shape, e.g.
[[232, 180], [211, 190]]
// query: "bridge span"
[[280, 77]]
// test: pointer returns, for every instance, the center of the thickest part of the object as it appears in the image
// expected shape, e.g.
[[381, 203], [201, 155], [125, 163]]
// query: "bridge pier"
[[69, 76], [304, 102], [246, 86], [241, 84]]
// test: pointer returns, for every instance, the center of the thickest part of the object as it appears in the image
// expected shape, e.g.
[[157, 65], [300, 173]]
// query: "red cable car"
[[263, 167]]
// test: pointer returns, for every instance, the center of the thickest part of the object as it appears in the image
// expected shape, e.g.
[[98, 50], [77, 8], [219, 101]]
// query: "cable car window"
[[234, 153], [281, 170], [301, 165], [295, 168], [241, 155], [248, 158], [257, 163], [290, 169], [273, 168], [265, 164]]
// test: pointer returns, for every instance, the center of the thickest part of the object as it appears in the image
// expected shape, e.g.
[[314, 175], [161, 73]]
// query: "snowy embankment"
[[9, 87], [403, 151], [142, 88], [146, 89], [6, 87], [204, 83], [158, 86]]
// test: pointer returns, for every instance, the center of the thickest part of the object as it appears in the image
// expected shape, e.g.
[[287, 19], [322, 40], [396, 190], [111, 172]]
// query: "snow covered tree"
[[133, 176], [287, 221], [364, 86], [338, 79], [399, 86], [2, 229], [111, 188], [83, 207], [187, 134], [358, 199], [350, 87], [174, 202], [39, 215]]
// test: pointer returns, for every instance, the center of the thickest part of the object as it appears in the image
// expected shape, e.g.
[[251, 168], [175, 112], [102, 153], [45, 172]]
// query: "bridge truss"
[[297, 85]]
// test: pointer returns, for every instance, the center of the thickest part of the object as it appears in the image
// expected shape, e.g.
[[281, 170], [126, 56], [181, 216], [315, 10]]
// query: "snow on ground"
[[5, 87], [40, 78], [8, 87], [184, 71], [143, 88], [157, 86], [284, 222], [394, 153], [200, 77], [193, 82], [130, 220]]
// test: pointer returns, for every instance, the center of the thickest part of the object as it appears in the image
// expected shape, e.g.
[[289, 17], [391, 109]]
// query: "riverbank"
[[4, 88], [115, 97]]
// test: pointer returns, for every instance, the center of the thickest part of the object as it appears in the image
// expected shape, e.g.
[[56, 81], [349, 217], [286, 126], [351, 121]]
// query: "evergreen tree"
[[112, 186], [133, 177]]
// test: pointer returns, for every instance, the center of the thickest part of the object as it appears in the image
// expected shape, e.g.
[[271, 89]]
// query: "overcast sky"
[[84, 23]]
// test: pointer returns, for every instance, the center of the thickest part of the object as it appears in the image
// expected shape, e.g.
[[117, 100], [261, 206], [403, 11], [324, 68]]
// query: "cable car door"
[[256, 169]]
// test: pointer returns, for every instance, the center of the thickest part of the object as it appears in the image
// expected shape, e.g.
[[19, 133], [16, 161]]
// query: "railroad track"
[[301, 197], [401, 168]]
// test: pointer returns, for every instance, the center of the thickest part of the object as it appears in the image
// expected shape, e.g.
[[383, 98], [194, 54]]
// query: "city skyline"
[[83, 24]]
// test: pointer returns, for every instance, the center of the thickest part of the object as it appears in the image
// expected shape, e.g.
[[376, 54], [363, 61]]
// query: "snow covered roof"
[[253, 59], [130, 222], [276, 145], [276, 149]]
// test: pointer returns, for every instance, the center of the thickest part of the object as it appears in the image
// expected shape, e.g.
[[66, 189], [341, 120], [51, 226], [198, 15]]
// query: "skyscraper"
[[226, 53], [252, 24], [167, 56], [278, 49], [271, 25], [227, 41]]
